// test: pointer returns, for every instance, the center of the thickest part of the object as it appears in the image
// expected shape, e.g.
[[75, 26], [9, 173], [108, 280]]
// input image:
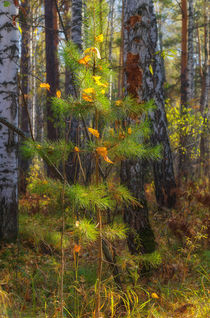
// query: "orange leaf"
[[107, 159], [87, 98], [45, 85], [76, 149], [85, 60], [118, 102], [94, 132], [77, 248], [58, 94], [103, 152]]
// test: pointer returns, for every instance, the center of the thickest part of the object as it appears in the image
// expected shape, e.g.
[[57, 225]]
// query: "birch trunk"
[[8, 110], [145, 81], [140, 237]]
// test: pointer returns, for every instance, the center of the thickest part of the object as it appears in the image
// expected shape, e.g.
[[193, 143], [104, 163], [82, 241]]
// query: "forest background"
[[104, 151]]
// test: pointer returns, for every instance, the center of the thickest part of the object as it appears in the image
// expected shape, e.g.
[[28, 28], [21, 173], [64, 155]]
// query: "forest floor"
[[174, 283]]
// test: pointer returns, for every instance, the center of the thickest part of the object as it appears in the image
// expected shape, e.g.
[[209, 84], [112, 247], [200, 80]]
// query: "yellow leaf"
[[93, 50], [129, 131], [94, 132], [19, 28], [58, 94], [154, 295], [85, 60], [76, 149], [103, 91], [89, 90], [96, 78], [45, 85], [151, 69], [99, 38], [118, 102]]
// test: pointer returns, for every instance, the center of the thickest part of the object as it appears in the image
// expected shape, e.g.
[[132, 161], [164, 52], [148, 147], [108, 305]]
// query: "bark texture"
[[52, 78], [76, 37], [140, 237], [191, 68], [8, 110], [183, 156], [204, 142], [141, 45], [25, 88]]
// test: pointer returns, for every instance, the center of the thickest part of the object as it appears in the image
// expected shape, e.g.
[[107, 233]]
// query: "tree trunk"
[[145, 81], [183, 157], [52, 78], [25, 89], [111, 19], [140, 237], [191, 69], [8, 110], [76, 37], [67, 23], [204, 142]]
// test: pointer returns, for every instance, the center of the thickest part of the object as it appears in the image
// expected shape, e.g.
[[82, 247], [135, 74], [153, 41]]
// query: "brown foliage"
[[134, 74]]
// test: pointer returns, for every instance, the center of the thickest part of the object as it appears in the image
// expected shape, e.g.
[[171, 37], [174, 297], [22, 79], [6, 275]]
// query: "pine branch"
[[21, 134]]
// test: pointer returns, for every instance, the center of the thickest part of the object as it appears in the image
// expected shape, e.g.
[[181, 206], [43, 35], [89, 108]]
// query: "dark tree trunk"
[[204, 142], [140, 237], [76, 37], [67, 23], [52, 78], [183, 156], [24, 83]]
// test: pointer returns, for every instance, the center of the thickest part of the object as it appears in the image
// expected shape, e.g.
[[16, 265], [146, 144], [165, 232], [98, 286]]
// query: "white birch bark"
[[9, 110], [143, 65]]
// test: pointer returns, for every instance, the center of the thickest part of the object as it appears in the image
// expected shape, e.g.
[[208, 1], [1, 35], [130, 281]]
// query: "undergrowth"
[[171, 283]]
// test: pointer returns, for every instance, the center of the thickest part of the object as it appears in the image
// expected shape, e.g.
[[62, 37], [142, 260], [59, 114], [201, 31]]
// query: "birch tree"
[[9, 111], [145, 81]]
